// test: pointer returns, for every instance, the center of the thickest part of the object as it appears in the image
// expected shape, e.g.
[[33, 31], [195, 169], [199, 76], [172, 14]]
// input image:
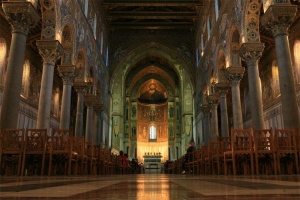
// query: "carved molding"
[[278, 18], [235, 74], [21, 15], [82, 86], [251, 52], [50, 50], [68, 73]]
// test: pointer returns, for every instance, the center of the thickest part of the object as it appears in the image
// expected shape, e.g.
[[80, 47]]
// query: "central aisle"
[[151, 187]]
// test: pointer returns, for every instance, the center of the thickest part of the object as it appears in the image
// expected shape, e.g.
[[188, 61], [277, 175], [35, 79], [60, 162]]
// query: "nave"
[[151, 187]]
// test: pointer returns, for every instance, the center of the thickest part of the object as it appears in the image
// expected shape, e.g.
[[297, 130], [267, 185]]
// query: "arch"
[[144, 50], [3, 51]]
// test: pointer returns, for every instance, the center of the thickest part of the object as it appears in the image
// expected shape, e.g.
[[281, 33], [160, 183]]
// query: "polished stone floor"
[[151, 187]]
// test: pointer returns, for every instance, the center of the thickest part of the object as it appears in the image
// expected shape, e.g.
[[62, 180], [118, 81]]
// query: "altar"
[[152, 163]]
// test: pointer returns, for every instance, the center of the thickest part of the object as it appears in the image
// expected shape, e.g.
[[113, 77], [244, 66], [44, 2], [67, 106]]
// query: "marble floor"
[[151, 187]]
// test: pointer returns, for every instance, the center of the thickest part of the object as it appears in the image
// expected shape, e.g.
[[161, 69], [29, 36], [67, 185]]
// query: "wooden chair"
[[93, 157], [101, 161], [208, 158], [264, 151], [201, 161], [220, 146], [241, 154], [61, 154], [81, 159], [11, 153], [34, 152], [286, 151]]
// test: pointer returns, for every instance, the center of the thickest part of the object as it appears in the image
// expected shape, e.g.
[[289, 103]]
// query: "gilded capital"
[[50, 50], [222, 87], [251, 52], [81, 86], [235, 74], [278, 18], [213, 99], [21, 15], [68, 73]]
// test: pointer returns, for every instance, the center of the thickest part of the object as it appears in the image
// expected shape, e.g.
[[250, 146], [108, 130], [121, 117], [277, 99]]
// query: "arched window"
[[25, 79], [101, 42], [217, 8], [208, 27], [106, 57], [275, 79], [152, 132], [297, 59], [202, 45], [95, 27], [266, 4], [86, 8], [2, 58]]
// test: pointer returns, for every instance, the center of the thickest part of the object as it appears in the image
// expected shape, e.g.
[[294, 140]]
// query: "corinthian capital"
[[82, 86], [251, 52], [50, 50], [68, 73], [21, 15], [235, 74], [278, 18]]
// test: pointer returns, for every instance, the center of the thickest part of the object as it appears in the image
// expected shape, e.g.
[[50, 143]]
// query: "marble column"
[[213, 101], [98, 131], [68, 73], [251, 53], [50, 50], [90, 101], [235, 74], [22, 16], [222, 89], [81, 88], [278, 18], [205, 108]]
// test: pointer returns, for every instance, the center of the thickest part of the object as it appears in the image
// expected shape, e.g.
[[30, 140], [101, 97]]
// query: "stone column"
[[68, 73], [206, 126], [235, 74], [50, 50], [22, 16], [98, 132], [222, 89], [90, 103], [81, 88], [213, 101], [278, 18], [251, 53]]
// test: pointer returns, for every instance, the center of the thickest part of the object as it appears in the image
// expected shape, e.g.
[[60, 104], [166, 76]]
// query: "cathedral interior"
[[148, 78]]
